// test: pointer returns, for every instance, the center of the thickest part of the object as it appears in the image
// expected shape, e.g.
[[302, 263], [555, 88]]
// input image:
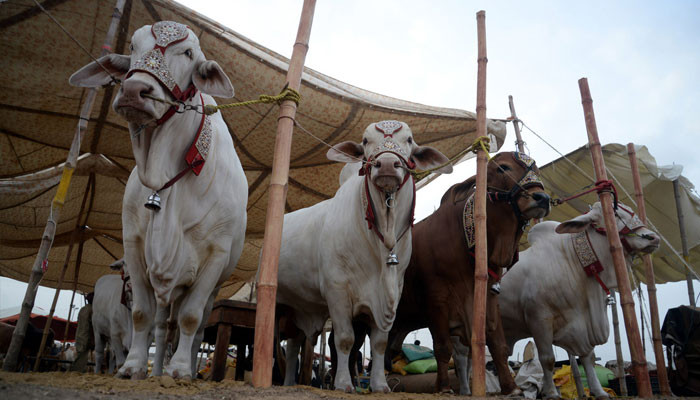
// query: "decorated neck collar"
[[589, 261]]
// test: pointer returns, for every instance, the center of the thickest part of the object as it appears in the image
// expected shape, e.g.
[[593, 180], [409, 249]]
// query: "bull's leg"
[[344, 337], [462, 365], [99, 352], [498, 347], [292, 359], [439, 329], [115, 343], [110, 364], [142, 314], [377, 341], [197, 342], [543, 341], [593, 382], [190, 316], [162, 313]]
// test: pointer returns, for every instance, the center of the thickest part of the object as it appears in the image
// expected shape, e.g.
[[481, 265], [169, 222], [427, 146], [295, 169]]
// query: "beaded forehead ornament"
[[153, 62], [388, 128], [530, 178]]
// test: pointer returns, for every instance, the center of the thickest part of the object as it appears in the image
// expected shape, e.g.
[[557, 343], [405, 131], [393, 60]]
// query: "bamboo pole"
[[620, 370], [651, 281], [684, 241], [267, 285], [75, 235], [42, 257], [478, 341], [626, 300], [518, 138], [580, 392]]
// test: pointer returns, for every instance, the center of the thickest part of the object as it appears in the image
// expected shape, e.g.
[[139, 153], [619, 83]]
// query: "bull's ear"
[[427, 157], [211, 79], [347, 152], [577, 224], [93, 75]]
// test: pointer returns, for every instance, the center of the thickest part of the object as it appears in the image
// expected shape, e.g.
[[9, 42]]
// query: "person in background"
[[84, 338]]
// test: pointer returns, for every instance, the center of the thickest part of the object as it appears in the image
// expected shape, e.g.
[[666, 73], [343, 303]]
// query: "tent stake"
[[274, 218], [478, 339], [639, 362], [684, 241], [42, 256]]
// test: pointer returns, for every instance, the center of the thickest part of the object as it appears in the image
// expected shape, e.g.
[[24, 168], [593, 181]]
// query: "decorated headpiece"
[[530, 178], [153, 62]]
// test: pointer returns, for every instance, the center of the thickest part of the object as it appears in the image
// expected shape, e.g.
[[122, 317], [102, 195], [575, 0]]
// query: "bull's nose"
[[541, 197], [136, 89]]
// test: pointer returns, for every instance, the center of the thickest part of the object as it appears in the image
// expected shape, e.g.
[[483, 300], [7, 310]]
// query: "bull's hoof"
[[465, 392], [179, 370], [447, 390], [514, 393], [381, 389], [133, 373], [345, 388]]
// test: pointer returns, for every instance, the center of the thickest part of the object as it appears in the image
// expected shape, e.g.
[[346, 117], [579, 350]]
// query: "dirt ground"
[[73, 385]]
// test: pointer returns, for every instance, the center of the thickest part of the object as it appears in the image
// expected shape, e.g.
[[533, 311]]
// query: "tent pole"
[[664, 387], [41, 261], [77, 231], [620, 370], [274, 218], [626, 300], [519, 139], [684, 240], [478, 339]]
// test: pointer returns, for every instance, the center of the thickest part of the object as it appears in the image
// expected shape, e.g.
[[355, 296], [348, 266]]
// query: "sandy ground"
[[73, 385]]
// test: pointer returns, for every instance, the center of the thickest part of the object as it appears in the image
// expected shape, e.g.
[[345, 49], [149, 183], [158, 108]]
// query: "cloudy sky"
[[641, 59]]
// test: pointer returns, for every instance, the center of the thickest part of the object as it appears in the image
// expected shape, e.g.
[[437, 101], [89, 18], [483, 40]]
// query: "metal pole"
[[620, 370], [42, 257], [478, 339], [626, 300], [684, 241], [267, 285], [519, 139]]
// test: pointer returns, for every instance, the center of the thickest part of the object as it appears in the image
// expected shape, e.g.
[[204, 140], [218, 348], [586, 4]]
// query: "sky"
[[641, 59]]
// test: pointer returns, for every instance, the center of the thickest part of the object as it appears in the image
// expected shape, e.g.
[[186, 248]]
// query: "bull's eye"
[[364, 141], [188, 53], [503, 168], [410, 140], [131, 47]]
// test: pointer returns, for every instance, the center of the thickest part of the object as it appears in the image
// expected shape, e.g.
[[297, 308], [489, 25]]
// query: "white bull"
[[111, 320], [547, 295], [331, 264], [178, 256]]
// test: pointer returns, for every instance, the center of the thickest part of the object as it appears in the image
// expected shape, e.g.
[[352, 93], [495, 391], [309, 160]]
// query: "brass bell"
[[496, 288], [153, 202], [610, 300], [392, 259]]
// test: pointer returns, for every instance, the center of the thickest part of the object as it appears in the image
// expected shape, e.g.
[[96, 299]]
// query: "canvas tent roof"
[[39, 112], [562, 179]]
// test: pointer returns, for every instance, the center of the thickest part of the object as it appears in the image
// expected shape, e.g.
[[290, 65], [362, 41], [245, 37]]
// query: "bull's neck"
[[159, 151], [392, 222], [503, 232], [602, 248]]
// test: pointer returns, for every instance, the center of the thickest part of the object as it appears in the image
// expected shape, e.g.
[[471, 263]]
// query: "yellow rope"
[[286, 94], [475, 147]]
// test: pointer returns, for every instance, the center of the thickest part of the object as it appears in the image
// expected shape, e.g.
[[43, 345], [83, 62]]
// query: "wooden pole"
[[518, 138], [620, 370], [42, 257], [478, 341], [684, 241], [581, 393], [639, 362], [322, 363], [267, 284], [664, 386], [76, 235]]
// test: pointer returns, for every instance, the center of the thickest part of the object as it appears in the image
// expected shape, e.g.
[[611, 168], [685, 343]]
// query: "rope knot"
[[481, 144]]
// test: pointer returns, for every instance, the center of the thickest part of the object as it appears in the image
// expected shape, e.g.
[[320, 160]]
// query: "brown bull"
[[438, 287]]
